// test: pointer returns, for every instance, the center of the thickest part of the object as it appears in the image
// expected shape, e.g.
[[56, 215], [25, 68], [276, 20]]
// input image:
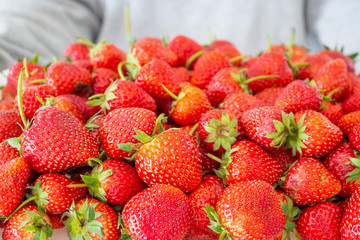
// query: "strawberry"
[[93, 125], [114, 182], [333, 76], [147, 49], [10, 125], [270, 63], [172, 157], [315, 61], [350, 220], [207, 193], [229, 49], [299, 95], [158, 212], [54, 189], [336, 54], [64, 143], [348, 121], [184, 47], [76, 51], [56, 220], [7, 153], [66, 77], [66, 104], [155, 74], [28, 224], [207, 66], [351, 103], [284, 157], [218, 130], [14, 175], [91, 219], [269, 95], [316, 182], [354, 137], [320, 221], [333, 111], [121, 94], [102, 78], [240, 211], [119, 127], [86, 64], [106, 55], [86, 110], [189, 105], [182, 74], [6, 105], [337, 161]]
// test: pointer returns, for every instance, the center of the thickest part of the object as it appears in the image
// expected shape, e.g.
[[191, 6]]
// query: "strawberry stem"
[[169, 92], [120, 72], [129, 38], [237, 58], [20, 206], [77, 185], [41, 81], [193, 129], [260, 77], [192, 58], [27, 75], [19, 94]]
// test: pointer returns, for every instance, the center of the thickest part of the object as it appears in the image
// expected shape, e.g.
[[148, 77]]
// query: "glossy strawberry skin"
[[102, 78], [66, 77], [269, 95], [64, 143], [241, 210], [207, 66], [86, 110], [158, 72], [352, 103], [77, 51], [251, 162], [173, 157], [158, 212], [354, 137], [270, 63], [333, 111], [14, 175], [147, 49], [107, 56], [189, 109], [323, 134], [349, 226], [315, 62], [309, 181], [337, 162], [182, 74], [348, 121], [334, 54], [10, 125], [68, 105], [123, 184], [208, 193], [7, 153], [228, 48], [118, 127], [320, 221]]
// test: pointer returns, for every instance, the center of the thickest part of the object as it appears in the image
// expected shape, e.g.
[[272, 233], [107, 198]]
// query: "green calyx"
[[37, 224], [325, 98], [289, 133], [102, 99], [225, 161], [222, 132], [192, 58], [90, 125], [125, 235], [215, 223], [292, 213], [81, 223], [354, 175]]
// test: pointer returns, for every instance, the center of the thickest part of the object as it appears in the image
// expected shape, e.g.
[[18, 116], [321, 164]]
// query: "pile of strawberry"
[[176, 140]]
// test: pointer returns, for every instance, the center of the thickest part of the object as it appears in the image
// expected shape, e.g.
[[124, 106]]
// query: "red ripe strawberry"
[[92, 219], [317, 182], [184, 48], [14, 175], [86, 110], [119, 127], [189, 105], [158, 212], [155, 74], [320, 222], [6, 105], [58, 195], [332, 76], [299, 95], [335, 54], [7, 153], [66, 77], [333, 111], [259, 122], [30, 102], [7, 92], [349, 226], [86, 64], [102, 77], [106, 55], [269, 95], [34, 72], [207, 66], [221, 85], [64, 143], [218, 130], [56, 220], [348, 121], [352, 103], [10, 125], [76, 51], [270, 63], [207, 193], [147, 49], [250, 162], [182, 74], [284, 157], [315, 61], [93, 125], [66, 104], [240, 209], [228, 48], [337, 161], [354, 137], [173, 157], [114, 182], [28, 216]]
